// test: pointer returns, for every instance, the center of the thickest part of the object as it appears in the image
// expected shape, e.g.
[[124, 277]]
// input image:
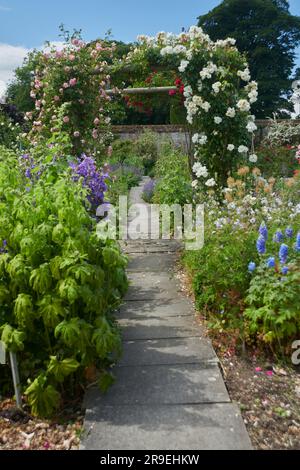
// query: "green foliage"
[[9, 132], [173, 178], [220, 275], [58, 282], [273, 301], [268, 34], [147, 149]]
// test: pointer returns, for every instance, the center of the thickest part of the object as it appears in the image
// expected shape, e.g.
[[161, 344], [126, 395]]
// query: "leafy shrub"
[[147, 149], [9, 132], [273, 296], [220, 276], [173, 177], [277, 161], [58, 282]]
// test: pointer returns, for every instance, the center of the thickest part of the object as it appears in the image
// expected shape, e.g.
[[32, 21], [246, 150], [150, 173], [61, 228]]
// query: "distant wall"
[[178, 134]]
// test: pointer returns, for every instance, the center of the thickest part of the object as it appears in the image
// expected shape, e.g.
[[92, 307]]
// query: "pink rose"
[[65, 85], [72, 57], [56, 98], [33, 95], [73, 81], [110, 151], [75, 42], [95, 134], [66, 119], [81, 101], [76, 134], [61, 90], [67, 69], [59, 54], [99, 46], [97, 122]]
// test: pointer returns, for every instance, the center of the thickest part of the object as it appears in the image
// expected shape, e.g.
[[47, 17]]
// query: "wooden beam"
[[142, 91]]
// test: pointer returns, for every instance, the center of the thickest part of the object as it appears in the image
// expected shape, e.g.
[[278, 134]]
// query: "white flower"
[[231, 112], [216, 87], [183, 65], [244, 105], [203, 140], [195, 184], [218, 120], [179, 49], [251, 127], [230, 147], [210, 183], [243, 149], [188, 91], [206, 106], [195, 138], [253, 95], [253, 158], [244, 74], [200, 170], [167, 51], [200, 85]]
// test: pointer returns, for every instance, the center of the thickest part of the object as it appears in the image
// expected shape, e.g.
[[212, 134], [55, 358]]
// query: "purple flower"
[[3, 249], [283, 253], [251, 267], [148, 190], [92, 179], [285, 270], [263, 230], [261, 245], [271, 263], [278, 237], [289, 232], [28, 173]]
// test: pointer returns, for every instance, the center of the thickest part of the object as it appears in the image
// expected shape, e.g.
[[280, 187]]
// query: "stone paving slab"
[[151, 286], [159, 328], [156, 308], [151, 263], [158, 427], [167, 351], [163, 385]]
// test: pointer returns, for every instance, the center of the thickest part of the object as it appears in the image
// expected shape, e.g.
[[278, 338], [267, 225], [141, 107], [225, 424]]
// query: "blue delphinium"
[[289, 232], [278, 237], [298, 243], [261, 245], [285, 270], [92, 179], [283, 253], [263, 230], [271, 263], [251, 267]]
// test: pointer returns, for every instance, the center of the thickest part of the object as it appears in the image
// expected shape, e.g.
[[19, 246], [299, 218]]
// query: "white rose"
[[251, 127], [243, 149], [245, 75], [244, 105], [253, 158], [218, 120], [230, 147], [231, 112], [206, 106], [210, 183], [216, 87], [195, 138], [183, 65]]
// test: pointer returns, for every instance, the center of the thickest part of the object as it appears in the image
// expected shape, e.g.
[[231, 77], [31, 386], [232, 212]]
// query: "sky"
[[27, 24]]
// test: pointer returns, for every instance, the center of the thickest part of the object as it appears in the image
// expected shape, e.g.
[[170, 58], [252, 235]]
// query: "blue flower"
[[285, 270], [289, 232], [261, 245], [283, 253], [263, 230], [278, 237], [298, 243], [251, 267], [271, 263]]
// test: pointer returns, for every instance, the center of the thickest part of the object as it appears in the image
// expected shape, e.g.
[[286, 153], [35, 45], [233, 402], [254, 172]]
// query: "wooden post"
[[142, 91]]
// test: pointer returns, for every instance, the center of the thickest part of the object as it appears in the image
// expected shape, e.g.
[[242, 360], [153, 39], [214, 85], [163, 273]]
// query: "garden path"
[[169, 392]]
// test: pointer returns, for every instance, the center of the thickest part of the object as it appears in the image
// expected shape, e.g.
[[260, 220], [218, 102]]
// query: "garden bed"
[[20, 431], [267, 392]]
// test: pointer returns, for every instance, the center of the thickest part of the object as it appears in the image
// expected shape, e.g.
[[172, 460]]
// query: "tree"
[[268, 34]]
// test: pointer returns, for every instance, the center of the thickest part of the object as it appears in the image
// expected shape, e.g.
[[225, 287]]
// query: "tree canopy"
[[268, 34]]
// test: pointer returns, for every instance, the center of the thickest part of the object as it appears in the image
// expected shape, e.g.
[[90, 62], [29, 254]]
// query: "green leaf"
[[41, 279], [23, 309], [51, 310], [106, 380], [12, 338], [62, 369], [43, 399], [69, 290]]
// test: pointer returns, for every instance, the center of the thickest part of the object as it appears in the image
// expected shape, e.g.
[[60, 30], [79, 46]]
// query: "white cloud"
[[11, 57]]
